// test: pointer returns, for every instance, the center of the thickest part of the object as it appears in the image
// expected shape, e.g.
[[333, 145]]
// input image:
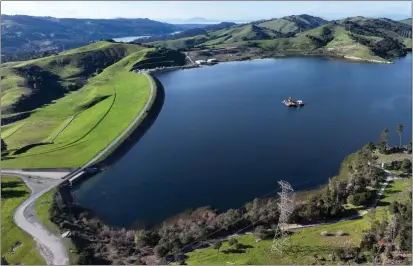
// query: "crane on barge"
[[293, 103]]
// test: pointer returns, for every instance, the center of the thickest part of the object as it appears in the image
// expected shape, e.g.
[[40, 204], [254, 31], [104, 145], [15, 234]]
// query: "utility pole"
[[282, 238]]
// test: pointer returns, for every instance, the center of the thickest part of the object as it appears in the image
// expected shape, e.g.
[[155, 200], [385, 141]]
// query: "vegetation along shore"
[[60, 108], [355, 222]]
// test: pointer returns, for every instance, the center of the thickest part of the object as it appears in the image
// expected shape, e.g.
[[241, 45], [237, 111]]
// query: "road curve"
[[51, 246]]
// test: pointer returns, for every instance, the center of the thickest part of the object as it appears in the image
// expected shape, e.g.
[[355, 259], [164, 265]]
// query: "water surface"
[[223, 136]]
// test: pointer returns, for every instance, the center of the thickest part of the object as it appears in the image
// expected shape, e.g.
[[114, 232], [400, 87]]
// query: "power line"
[[213, 233], [282, 237]]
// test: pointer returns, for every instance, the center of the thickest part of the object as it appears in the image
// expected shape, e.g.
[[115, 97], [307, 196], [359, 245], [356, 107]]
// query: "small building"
[[212, 61], [200, 62]]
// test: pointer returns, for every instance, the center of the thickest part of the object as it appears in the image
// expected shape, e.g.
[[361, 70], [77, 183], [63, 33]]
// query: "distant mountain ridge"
[[407, 21], [372, 39], [28, 33], [354, 36]]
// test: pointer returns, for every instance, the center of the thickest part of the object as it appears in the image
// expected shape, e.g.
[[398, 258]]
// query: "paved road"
[[45, 174], [51, 246]]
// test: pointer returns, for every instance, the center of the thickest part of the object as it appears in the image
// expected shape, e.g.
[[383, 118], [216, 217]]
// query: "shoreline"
[[154, 111], [305, 55], [42, 233]]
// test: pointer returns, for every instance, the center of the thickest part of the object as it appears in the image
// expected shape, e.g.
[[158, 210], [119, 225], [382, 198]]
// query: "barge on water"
[[293, 103]]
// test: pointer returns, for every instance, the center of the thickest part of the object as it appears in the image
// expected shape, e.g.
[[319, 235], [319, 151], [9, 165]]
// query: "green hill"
[[356, 37], [295, 23], [71, 129], [31, 84], [407, 21], [21, 33], [230, 35]]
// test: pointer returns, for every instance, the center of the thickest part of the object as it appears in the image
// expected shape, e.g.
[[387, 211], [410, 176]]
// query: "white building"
[[212, 60], [200, 62]]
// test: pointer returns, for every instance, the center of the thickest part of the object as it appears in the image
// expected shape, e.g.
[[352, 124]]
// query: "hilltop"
[[407, 21], [20, 33], [73, 104], [295, 23], [376, 40]]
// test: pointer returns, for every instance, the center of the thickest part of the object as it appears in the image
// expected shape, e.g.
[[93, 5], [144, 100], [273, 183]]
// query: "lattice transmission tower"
[[282, 238]]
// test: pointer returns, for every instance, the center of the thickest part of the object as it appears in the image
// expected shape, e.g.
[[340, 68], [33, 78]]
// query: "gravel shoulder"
[[50, 246]]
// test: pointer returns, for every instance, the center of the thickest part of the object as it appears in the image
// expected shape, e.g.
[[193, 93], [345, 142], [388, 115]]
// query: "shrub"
[[406, 165], [340, 233], [232, 241], [217, 245], [161, 250], [325, 233], [262, 233]]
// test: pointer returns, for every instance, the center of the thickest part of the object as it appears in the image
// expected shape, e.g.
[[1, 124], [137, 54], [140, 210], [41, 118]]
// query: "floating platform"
[[292, 103]]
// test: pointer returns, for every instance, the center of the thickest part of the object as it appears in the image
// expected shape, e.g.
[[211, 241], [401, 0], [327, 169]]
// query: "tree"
[[400, 131], [232, 241], [217, 245], [383, 141], [161, 250], [3, 145], [406, 165], [4, 261]]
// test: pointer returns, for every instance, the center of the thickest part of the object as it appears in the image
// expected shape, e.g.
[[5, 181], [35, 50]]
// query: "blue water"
[[223, 137]]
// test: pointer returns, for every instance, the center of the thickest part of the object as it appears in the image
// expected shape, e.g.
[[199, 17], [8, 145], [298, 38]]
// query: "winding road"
[[50, 245]]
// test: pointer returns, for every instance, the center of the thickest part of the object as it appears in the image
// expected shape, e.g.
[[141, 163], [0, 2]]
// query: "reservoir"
[[223, 136]]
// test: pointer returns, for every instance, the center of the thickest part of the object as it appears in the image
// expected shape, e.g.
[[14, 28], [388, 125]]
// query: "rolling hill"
[[21, 33], [377, 40], [295, 23], [64, 125], [31, 84], [407, 21]]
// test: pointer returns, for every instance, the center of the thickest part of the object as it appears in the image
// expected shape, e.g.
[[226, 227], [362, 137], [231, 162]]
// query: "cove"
[[223, 136]]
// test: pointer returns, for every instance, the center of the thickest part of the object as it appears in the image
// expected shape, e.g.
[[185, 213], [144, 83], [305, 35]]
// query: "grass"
[[310, 246], [344, 168], [388, 158], [308, 242], [14, 192], [67, 68], [340, 45], [103, 108], [42, 207], [281, 25]]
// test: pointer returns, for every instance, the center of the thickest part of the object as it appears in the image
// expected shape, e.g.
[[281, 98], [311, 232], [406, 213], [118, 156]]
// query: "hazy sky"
[[218, 11]]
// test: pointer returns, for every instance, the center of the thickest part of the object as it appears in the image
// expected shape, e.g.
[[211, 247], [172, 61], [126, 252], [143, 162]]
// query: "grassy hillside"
[[310, 245], [407, 21], [230, 35], [31, 84], [18, 247], [291, 24], [377, 40], [22, 33], [74, 128]]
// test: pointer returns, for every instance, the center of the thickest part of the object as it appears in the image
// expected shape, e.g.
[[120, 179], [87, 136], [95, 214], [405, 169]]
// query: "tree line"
[[101, 244]]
